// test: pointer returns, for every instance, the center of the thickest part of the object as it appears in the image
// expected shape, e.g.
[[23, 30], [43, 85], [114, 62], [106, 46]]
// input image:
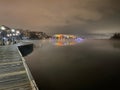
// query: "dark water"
[[90, 64]]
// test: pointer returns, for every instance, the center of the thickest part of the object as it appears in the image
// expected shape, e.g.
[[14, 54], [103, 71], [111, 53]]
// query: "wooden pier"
[[14, 73]]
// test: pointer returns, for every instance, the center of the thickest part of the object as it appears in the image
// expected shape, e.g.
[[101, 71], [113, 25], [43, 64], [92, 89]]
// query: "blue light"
[[4, 38], [78, 39]]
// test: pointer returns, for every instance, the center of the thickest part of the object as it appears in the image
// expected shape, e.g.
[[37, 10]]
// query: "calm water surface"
[[65, 65]]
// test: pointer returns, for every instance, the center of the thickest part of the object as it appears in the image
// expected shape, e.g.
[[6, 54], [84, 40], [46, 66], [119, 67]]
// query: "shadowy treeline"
[[38, 35], [34, 35], [116, 36]]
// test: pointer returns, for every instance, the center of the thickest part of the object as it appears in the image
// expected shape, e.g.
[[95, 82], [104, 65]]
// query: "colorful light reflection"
[[66, 42]]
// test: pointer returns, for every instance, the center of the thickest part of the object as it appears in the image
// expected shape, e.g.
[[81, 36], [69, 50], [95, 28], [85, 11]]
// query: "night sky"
[[62, 16]]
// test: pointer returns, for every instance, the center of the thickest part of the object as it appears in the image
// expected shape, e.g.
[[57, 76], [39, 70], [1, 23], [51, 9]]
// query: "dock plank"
[[13, 75]]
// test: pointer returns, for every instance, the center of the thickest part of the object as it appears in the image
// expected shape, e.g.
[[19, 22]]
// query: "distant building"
[[64, 36], [23, 34]]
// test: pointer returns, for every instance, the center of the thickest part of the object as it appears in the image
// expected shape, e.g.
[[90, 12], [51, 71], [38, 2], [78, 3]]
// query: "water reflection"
[[66, 42], [116, 44], [88, 65]]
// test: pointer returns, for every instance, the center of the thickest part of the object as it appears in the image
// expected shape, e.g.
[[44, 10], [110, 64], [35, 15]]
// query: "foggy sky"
[[62, 16]]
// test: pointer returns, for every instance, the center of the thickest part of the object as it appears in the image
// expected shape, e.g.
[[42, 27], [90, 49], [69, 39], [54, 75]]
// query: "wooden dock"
[[14, 73]]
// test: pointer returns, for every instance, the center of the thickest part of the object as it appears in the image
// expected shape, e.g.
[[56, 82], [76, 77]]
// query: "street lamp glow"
[[18, 32], [13, 30], [2, 28], [8, 35], [13, 34]]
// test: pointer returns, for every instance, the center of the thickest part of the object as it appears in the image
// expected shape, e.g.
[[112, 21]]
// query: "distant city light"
[[79, 39], [18, 32], [13, 34], [64, 36], [2, 28], [4, 37], [13, 30], [8, 35]]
